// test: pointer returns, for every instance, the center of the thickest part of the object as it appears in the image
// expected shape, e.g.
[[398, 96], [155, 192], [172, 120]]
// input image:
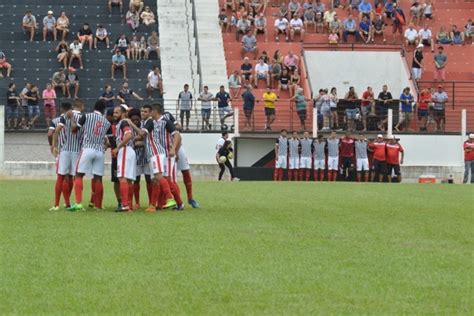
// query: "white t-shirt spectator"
[[49, 22], [296, 23], [424, 34], [261, 69], [75, 48], [101, 32], [411, 35], [153, 79], [29, 19], [281, 24], [206, 99]]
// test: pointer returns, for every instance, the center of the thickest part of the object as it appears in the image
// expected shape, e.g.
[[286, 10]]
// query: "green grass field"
[[253, 248]]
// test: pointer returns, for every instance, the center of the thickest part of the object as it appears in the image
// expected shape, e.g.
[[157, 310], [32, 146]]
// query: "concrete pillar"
[[236, 122], [315, 123]]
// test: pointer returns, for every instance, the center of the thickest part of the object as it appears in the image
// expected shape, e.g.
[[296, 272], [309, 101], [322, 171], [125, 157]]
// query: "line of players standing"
[[142, 142], [332, 156]]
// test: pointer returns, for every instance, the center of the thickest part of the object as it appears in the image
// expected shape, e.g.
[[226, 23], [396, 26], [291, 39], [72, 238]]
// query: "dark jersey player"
[[346, 152]]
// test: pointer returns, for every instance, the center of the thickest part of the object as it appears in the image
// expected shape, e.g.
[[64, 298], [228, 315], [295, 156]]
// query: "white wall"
[[201, 148]]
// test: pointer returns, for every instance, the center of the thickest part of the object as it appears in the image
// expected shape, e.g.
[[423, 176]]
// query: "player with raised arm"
[[281, 155], [333, 156], [319, 158], [362, 160], [306, 144], [294, 157]]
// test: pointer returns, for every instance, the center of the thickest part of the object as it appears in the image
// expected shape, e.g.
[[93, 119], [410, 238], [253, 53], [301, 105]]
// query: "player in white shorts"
[[333, 156], [362, 159], [306, 145], [319, 157], [281, 155], [294, 157]]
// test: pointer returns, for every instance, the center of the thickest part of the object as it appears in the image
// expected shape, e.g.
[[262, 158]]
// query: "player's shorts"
[[91, 162], [66, 163], [113, 173], [305, 163], [158, 164], [294, 163], [319, 164], [346, 162], [281, 162], [379, 166], [170, 169], [333, 163], [183, 163], [127, 163], [362, 164], [393, 168], [145, 169]]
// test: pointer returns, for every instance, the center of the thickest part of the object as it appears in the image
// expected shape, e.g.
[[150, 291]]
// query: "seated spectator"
[[153, 45], [260, 6], [116, 3], [296, 27], [142, 48], [76, 52], [85, 35], [223, 21], [424, 103], [319, 22], [411, 35], [399, 21], [275, 72], [457, 37], [261, 73], [108, 97], [243, 26], [118, 63], [468, 30], [185, 104], [365, 9], [353, 5], [379, 11], [29, 24], [32, 97], [133, 19], [49, 25], [206, 98], [293, 8], [329, 18], [72, 80], [13, 103], [309, 17], [234, 84], [336, 26], [406, 107], [428, 9], [443, 37], [233, 20], [425, 37], [102, 36], [137, 5], [246, 71], [352, 110], [389, 7], [154, 82], [265, 57], [364, 29], [147, 16], [122, 44], [283, 10], [378, 28], [134, 48], [260, 24], [415, 11], [278, 57], [125, 94], [284, 82], [318, 6], [59, 80], [295, 81], [333, 38], [4, 65], [249, 45], [350, 28], [62, 25], [291, 61], [49, 102], [281, 27], [63, 53]]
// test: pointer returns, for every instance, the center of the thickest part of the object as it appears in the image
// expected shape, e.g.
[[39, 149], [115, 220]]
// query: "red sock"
[[66, 191], [136, 192], [155, 194], [280, 175], [124, 191], [161, 200], [78, 189], [131, 190], [188, 183], [70, 184], [321, 175], [149, 189], [358, 177], [93, 191], [276, 174], [308, 174], [175, 191], [99, 194], [315, 174], [58, 189], [366, 175], [165, 188], [301, 174]]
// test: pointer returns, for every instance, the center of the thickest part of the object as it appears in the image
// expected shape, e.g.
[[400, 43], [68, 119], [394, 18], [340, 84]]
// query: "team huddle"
[[332, 156], [142, 142]]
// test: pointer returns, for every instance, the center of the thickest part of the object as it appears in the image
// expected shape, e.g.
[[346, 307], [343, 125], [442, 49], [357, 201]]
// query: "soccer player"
[[294, 157], [379, 165], [112, 144], [319, 157], [347, 154], [281, 155], [469, 159], [394, 149], [94, 127], [333, 156], [362, 160], [306, 145]]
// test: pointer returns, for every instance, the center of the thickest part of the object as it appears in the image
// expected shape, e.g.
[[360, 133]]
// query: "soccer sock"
[[149, 189], [78, 189], [276, 174], [136, 192], [175, 191], [99, 194], [280, 175], [156, 191], [124, 191], [58, 188], [321, 174], [70, 184], [330, 173], [67, 191], [188, 183], [93, 191], [334, 175], [131, 191], [308, 174], [161, 200]]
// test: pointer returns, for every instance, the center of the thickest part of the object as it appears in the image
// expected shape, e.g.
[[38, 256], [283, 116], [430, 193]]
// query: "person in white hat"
[[469, 159], [49, 25], [417, 63]]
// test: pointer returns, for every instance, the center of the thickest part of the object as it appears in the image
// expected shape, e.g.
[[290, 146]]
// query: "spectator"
[[300, 102], [378, 28], [293, 7], [367, 106], [424, 102], [425, 37], [72, 80], [13, 103], [336, 27], [29, 24], [352, 110], [457, 36], [329, 18], [468, 147], [101, 35], [233, 20], [260, 24], [49, 25], [309, 19], [411, 35], [364, 29], [365, 10], [275, 72], [76, 53], [406, 107], [122, 43], [284, 83], [118, 3], [379, 11], [468, 30], [225, 110], [333, 38], [443, 37], [62, 25], [134, 48], [185, 105], [246, 71], [119, 62], [382, 105], [24, 105], [283, 10], [243, 26], [350, 28], [85, 35], [133, 19], [428, 9], [49, 102], [4, 65], [33, 107], [415, 11], [234, 84], [137, 5], [389, 8], [296, 27], [259, 6], [269, 99], [147, 16], [417, 63], [281, 27], [439, 98], [333, 100], [108, 97], [142, 48], [206, 97], [155, 82], [398, 21], [295, 81], [291, 61], [153, 45], [59, 80], [440, 61], [125, 94], [319, 22], [223, 21], [249, 104], [63, 53], [261, 73], [249, 44]]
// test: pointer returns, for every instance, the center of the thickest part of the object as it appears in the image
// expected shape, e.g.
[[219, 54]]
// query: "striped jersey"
[[319, 150], [306, 147], [62, 135], [282, 143], [95, 128], [294, 144], [121, 129], [140, 151], [361, 149], [333, 147], [73, 139], [158, 136]]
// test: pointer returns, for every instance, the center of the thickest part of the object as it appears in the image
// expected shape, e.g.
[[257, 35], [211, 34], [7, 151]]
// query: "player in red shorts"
[[379, 164], [394, 149]]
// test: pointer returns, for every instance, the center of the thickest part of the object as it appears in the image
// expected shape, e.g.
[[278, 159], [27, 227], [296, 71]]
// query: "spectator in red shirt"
[[367, 105], [423, 106], [469, 159], [394, 149], [379, 164], [346, 152]]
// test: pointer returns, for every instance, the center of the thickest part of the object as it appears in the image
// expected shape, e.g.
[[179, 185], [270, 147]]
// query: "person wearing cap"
[[379, 163], [417, 63], [439, 98], [29, 24], [260, 24], [72, 80], [469, 159], [85, 35], [119, 62], [49, 25], [362, 159], [440, 61], [394, 149], [76, 52]]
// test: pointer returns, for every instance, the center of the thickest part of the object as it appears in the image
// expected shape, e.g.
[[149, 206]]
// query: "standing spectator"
[[137, 5], [425, 37], [62, 25], [300, 102], [243, 26], [469, 159], [133, 19], [72, 80], [281, 27], [422, 110], [394, 149], [63, 53], [13, 103], [440, 61], [108, 97], [155, 82], [382, 105], [33, 108], [4, 65], [24, 105], [417, 63], [125, 94], [246, 71], [367, 106], [406, 107], [49, 102], [49, 25], [333, 100], [185, 105], [122, 43], [350, 28], [296, 27], [468, 30], [411, 35], [364, 30], [142, 48], [29, 24], [101, 35], [260, 24], [379, 163], [439, 98], [223, 105], [249, 45], [249, 104], [234, 84], [134, 48], [261, 73], [85, 35], [362, 160], [206, 97], [118, 3], [147, 16], [269, 99], [224, 21], [76, 53], [59, 80], [398, 21], [153, 45], [119, 62], [352, 109]]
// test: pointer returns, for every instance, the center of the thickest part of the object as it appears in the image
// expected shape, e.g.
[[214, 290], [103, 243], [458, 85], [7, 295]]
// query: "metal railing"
[[197, 51]]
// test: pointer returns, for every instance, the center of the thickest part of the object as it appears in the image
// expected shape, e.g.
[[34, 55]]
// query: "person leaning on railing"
[[381, 107]]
